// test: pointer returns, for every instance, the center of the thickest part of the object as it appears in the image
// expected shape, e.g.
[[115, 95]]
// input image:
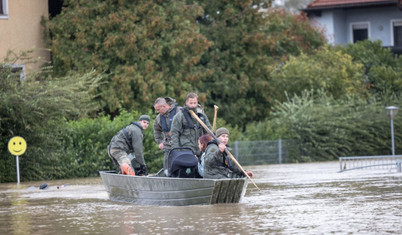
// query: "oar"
[[227, 151], [214, 122]]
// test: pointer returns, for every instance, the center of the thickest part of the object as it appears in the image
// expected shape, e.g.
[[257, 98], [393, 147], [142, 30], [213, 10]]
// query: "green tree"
[[224, 50], [382, 70], [327, 69], [147, 48], [292, 5], [247, 43]]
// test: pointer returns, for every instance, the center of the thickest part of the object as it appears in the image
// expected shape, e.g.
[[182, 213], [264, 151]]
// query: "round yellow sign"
[[17, 146]]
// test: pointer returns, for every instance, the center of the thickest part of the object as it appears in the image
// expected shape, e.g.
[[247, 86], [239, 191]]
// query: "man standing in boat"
[[185, 129], [167, 108], [129, 141]]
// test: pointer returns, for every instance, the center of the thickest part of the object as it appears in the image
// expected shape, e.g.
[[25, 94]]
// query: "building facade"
[[348, 21], [21, 30]]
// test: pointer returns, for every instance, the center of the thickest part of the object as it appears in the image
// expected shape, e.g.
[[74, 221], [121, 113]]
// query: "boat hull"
[[168, 191]]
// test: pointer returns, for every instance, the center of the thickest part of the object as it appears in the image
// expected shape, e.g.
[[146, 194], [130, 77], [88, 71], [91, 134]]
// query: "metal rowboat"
[[168, 191]]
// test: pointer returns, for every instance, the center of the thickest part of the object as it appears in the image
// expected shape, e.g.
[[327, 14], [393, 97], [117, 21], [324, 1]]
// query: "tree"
[[292, 5], [223, 50], [247, 43], [382, 70], [327, 69], [148, 48]]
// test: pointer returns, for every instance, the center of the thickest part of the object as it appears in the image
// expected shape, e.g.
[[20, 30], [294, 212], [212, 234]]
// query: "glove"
[[141, 171]]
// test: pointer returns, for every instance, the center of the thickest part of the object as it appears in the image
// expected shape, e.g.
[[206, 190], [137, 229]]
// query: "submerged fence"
[[387, 162], [264, 152], [282, 151]]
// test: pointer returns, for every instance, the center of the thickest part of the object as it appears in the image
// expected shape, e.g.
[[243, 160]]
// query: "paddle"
[[226, 151], [215, 114]]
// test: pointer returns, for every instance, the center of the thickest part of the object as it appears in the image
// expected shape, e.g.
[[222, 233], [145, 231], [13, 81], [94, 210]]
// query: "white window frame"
[[5, 8], [398, 21], [359, 24], [22, 67]]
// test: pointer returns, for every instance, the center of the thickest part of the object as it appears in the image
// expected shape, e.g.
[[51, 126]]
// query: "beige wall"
[[22, 30]]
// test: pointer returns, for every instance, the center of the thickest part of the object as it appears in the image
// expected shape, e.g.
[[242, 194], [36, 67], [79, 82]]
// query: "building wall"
[[22, 30], [379, 19], [325, 21], [338, 23]]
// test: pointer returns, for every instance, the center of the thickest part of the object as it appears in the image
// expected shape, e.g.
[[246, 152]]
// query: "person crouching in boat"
[[216, 163], [127, 141]]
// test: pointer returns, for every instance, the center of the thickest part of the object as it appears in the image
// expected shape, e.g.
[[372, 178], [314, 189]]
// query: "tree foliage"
[[327, 69], [148, 48], [382, 70], [224, 50], [247, 44]]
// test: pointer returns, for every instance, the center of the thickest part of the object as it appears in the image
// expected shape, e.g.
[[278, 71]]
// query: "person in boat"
[[185, 128], [202, 144], [129, 141], [166, 108], [215, 163]]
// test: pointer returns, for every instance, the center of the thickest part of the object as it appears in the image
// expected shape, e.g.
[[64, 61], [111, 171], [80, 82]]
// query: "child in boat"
[[214, 162]]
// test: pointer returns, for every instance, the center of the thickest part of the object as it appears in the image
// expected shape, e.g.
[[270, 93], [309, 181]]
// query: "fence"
[[387, 162], [264, 152]]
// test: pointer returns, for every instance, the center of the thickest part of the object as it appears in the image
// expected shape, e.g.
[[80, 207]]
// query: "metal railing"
[[263, 152], [385, 162]]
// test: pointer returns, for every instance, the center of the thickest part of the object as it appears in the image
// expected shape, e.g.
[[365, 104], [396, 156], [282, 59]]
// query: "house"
[[348, 21], [21, 30]]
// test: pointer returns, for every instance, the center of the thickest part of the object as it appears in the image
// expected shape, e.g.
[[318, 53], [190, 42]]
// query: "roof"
[[327, 4]]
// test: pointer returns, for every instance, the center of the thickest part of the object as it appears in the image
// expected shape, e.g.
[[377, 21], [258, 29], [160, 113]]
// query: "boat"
[[170, 191]]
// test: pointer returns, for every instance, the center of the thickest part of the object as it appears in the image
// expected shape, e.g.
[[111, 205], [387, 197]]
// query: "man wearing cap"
[[167, 109], [216, 164], [129, 141]]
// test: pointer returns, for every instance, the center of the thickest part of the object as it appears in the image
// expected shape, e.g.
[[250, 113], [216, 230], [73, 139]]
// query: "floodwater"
[[309, 198]]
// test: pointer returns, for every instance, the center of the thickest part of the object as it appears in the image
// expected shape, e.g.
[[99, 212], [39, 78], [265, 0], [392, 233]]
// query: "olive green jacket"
[[122, 142], [217, 165], [165, 136], [185, 137]]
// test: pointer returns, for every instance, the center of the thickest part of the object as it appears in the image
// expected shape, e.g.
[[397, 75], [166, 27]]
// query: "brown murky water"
[[294, 199]]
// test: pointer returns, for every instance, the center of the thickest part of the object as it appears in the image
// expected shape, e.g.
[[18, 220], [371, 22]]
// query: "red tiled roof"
[[320, 4]]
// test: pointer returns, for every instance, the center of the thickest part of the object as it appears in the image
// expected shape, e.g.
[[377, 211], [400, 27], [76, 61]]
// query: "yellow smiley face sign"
[[17, 146]]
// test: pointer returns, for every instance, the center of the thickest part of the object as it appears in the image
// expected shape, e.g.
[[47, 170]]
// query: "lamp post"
[[393, 110]]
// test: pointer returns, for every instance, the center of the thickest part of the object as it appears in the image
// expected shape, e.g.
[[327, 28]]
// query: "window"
[[360, 31], [397, 33], [18, 70], [3, 9]]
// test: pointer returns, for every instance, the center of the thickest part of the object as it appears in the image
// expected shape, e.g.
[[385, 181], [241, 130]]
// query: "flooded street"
[[307, 198]]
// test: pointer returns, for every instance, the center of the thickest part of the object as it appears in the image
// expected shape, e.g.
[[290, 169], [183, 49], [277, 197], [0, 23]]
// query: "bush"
[[382, 70], [327, 69], [33, 108], [327, 128]]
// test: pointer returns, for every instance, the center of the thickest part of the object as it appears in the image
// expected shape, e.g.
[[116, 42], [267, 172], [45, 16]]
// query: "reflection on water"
[[19, 219], [294, 199]]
